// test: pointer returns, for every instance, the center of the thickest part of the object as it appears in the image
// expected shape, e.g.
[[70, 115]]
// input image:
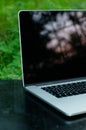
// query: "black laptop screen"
[[53, 45]]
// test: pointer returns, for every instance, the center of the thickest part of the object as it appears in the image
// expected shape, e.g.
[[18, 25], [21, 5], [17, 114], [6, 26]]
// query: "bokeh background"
[[10, 64]]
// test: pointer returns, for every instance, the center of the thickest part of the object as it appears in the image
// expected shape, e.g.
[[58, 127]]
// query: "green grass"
[[10, 65]]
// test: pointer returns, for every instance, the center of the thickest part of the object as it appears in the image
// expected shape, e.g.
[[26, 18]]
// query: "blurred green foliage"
[[10, 65]]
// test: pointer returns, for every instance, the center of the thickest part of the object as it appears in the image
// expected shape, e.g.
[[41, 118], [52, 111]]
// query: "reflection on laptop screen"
[[53, 45]]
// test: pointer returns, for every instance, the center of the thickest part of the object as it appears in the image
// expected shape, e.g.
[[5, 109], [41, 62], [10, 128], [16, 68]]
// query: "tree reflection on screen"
[[63, 35]]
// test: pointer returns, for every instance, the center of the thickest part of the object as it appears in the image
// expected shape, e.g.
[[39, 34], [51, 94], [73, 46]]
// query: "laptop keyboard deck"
[[65, 90]]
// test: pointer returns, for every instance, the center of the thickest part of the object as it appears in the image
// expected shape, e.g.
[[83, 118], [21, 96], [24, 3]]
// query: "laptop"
[[53, 53]]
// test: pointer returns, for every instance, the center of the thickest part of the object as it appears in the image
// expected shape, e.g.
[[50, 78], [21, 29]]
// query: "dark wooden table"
[[20, 110]]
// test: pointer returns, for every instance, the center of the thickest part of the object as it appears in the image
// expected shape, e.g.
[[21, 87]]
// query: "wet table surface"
[[19, 110]]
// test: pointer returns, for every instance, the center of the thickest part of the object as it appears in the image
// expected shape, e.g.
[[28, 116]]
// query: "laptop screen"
[[53, 45]]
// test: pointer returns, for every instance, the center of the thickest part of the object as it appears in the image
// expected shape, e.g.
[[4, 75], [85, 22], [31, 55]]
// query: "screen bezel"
[[24, 12]]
